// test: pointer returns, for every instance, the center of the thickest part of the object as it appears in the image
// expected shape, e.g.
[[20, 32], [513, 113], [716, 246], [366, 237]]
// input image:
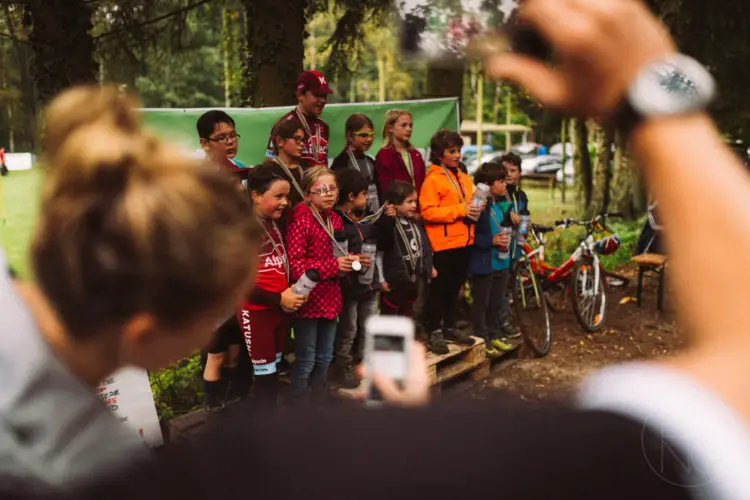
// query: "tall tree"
[[582, 172], [61, 43], [604, 138]]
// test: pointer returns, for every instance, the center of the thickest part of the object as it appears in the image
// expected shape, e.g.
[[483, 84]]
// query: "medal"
[[356, 266]]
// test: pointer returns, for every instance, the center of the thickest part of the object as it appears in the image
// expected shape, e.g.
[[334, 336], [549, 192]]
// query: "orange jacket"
[[443, 208]]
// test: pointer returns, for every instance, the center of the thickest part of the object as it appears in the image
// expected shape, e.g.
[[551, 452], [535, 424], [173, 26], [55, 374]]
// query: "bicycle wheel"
[[589, 305], [530, 308]]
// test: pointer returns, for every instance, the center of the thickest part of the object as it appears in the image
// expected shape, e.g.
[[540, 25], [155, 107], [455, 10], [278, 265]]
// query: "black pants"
[[399, 302], [442, 298], [489, 309]]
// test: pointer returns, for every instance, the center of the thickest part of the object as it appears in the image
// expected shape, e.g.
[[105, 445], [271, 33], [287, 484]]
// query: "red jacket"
[[309, 247], [316, 140], [389, 165], [270, 276]]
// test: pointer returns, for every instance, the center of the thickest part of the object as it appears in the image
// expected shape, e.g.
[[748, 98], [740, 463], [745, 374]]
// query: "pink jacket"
[[309, 247], [390, 166]]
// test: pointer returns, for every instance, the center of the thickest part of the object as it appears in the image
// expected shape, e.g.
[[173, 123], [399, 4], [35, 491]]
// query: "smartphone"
[[388, 345]]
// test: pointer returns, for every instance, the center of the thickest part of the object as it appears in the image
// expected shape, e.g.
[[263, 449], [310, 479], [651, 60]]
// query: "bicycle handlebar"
[[565, 223]]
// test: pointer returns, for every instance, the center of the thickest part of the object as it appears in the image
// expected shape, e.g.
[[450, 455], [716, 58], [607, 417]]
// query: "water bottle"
[[503, 252], [341, 245], [481, 192], [523, 228], [369, 248], [306, 282]]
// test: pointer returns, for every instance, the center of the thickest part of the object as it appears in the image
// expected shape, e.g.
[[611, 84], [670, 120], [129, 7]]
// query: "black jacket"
[[396, 267], [356, 233]]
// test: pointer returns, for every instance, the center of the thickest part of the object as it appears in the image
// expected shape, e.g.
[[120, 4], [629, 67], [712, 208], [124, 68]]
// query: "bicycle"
[[581, 275]]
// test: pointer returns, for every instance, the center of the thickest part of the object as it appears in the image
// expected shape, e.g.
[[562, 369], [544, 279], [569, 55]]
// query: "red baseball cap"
[[313, 81]]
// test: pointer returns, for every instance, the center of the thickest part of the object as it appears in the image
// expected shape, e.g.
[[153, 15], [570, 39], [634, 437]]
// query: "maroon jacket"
[[390, 166], [318, 140], [309, 247]]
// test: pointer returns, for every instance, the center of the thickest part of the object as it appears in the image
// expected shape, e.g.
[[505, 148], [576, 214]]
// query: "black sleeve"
[[447, 452], [340, 162], [384, 229]]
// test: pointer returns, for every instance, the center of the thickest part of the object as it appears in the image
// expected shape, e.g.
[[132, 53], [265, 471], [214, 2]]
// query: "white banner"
[[128, 395]]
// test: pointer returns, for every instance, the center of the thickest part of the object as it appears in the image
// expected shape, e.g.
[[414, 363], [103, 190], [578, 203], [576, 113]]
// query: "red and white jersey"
[[271, 274], [316, 139]]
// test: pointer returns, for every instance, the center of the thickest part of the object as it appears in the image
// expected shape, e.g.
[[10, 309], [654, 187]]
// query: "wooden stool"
[[651, 263]]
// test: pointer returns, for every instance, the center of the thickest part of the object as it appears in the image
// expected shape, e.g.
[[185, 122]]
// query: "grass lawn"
[[22, 191]]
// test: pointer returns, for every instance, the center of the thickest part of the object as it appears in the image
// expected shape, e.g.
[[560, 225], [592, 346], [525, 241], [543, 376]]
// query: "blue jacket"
[[480, 257], [500, 208], [518, 203]]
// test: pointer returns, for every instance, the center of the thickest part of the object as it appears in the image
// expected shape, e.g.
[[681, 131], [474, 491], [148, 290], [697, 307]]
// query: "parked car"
[[473, 165]]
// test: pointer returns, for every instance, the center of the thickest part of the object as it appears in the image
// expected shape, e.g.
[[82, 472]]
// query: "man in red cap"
[[312, 96]]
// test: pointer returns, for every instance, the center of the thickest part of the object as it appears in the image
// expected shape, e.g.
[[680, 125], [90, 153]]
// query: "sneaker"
[[458, 337], [491, 352], [437, 344], [500, 345], [510, 331]]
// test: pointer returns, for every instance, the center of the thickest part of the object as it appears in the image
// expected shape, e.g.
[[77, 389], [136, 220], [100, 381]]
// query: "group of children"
[[341, 243]]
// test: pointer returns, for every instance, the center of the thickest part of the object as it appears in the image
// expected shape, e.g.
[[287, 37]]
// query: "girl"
[[289, 141], [263, 322], [359, 137], [397, 159], [127, 229], [449, 218], [310, 241], [406, 253]]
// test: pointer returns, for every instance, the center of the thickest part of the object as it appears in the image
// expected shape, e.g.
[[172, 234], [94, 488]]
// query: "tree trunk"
[[26, 84], [602, 171], [275, 41], [445, 81], [62, 45], [622, 180], [581, 164]]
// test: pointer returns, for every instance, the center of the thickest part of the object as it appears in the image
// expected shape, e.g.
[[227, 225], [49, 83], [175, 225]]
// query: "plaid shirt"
[[309, 247]]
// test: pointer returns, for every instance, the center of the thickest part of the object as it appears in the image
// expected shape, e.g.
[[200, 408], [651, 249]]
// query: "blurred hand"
[[601, 46], [365, 260], [515, 218], [390, 210], [416, 390], [473, 212], [434, 273], [385, 286], [501, 240]]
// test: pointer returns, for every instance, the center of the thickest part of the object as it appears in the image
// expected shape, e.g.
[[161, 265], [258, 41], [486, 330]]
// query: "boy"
[[359, 298], [445, 201], [312, 97], [519, 204], [489, 274], [224, 380], [220, 141]]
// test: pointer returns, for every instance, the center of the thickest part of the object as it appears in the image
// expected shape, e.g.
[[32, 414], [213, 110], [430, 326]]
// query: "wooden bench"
[[651, 263]]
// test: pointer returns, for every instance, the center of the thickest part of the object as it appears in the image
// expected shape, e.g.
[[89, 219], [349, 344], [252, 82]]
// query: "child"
[[397, 159], [220, 142], [489, 275], [310, 240], [222, 377], [359, 136], [406, 253], [288, 143], [445, 201], [359, 298], [264, 324], [519, 204]]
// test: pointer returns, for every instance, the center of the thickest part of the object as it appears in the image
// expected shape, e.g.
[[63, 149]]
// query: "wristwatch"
[[673, 85]]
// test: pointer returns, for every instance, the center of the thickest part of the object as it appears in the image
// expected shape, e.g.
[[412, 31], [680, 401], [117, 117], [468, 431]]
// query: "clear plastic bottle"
[[369, 248], [306, 282], [481, 192]]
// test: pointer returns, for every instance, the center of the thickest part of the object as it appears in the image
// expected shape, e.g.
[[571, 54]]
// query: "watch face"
[[672, 86]]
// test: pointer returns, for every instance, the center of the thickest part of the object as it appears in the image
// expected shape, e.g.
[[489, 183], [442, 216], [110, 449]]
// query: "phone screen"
[[388, 358]]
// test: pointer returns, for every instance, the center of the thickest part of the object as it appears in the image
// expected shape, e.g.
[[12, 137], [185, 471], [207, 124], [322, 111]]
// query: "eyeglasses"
[[298, 139], [364, 134], [224, 138], [325, 190]]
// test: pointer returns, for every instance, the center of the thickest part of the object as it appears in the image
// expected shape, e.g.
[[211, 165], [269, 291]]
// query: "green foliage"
[[178, 389], [561, 244]]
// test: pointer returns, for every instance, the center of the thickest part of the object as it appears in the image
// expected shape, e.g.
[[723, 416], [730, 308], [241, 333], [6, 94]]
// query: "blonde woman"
[[397, 159], [138, 255]]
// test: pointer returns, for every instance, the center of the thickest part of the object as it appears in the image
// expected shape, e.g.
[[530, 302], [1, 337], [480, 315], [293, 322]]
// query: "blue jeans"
[[313, 340]]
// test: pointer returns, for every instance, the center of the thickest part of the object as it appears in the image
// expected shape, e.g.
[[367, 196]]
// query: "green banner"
[[254, 125]]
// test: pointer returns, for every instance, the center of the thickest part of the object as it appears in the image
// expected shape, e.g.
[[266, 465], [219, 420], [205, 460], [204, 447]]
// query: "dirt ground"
[[629, 333]]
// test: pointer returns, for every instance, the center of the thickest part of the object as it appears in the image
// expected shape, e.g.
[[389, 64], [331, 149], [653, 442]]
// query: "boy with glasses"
[[312, 97], [220, 141]]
